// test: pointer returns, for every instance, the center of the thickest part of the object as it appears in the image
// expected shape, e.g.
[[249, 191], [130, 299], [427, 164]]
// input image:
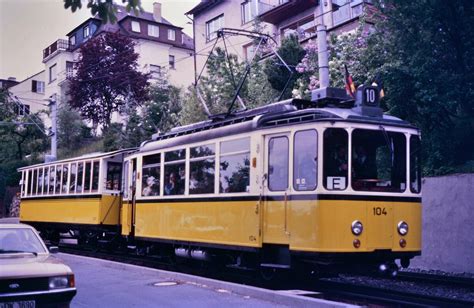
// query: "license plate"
[[20, 304]]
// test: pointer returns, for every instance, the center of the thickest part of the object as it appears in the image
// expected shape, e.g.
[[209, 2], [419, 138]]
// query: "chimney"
[[157, 11]]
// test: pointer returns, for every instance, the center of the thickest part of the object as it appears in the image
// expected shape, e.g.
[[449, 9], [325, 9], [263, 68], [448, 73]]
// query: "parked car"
[[30, 276]]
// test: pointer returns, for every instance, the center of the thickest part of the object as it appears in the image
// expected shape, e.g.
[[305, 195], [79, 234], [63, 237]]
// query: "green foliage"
[[112, 137], [292, 53], [72, 132], [430, 79], [192, 111], [106, 9], [19, 140], [219, 85], [21, 144], [162, 112], [423, 52]]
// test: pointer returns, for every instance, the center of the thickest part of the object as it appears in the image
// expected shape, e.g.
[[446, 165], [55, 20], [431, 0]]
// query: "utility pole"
[[323, 61], [54, 118]]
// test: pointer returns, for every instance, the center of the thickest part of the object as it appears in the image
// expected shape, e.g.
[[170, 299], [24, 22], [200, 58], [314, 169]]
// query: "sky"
[[29, 26]]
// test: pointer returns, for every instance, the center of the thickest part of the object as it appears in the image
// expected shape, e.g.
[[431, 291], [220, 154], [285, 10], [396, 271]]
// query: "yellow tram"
[[291, 181], [315, 182], [74, 194]]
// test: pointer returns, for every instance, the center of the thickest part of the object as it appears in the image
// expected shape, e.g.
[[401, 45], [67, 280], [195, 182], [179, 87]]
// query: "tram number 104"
[[379, 211]]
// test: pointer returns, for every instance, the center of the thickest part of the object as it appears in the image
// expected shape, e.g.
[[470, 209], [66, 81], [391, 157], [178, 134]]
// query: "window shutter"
[[33, 86]]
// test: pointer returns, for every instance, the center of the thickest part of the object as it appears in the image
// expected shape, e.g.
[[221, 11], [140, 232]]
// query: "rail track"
[[449, 280], [343, 288], [385, 295]]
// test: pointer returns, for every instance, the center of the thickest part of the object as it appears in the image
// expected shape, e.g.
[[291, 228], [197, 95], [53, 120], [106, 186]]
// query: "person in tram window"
[[364, 166], [150, 189], [338, 163], [171, 188]]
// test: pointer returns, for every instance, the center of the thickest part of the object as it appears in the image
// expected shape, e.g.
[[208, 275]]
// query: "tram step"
[[242, 268], [284, 266]]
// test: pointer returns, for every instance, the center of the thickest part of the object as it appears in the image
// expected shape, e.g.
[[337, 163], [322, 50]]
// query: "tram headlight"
[[402, 228], [357, 227]]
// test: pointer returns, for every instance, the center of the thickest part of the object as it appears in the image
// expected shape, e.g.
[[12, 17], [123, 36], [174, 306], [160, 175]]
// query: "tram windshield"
[[378, 160]]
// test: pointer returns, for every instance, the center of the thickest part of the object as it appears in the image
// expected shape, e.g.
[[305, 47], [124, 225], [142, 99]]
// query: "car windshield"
[[378, 160], [20, 240]]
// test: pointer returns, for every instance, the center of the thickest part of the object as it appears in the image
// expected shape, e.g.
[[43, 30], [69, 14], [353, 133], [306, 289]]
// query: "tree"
[[162, 111], [107, 78], [106, 10], [71, 130], [292, 53], [423, 53], [19, 135], [19, 139], [430, 81]]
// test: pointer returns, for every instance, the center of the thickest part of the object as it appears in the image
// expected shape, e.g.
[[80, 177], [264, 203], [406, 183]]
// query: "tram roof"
[[83, 157], [287, 112]]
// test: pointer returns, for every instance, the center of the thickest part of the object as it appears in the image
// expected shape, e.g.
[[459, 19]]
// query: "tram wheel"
[[268, 273]]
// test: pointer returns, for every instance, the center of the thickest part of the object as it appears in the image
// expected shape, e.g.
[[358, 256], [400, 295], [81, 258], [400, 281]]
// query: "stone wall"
[[448, 224]]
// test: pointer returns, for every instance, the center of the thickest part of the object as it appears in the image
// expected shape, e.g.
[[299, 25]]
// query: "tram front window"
[[378, 160]]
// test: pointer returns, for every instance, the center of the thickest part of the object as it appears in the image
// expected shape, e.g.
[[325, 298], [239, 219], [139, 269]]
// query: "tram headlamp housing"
[[357, 227], [402, 228]]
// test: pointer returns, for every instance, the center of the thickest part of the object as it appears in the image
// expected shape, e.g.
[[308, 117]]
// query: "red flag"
[[350, 86]]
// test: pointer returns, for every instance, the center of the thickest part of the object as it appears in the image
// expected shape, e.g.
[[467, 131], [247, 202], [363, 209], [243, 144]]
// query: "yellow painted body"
[[229, 222], [104, 209], [126, 217], [309, 225]]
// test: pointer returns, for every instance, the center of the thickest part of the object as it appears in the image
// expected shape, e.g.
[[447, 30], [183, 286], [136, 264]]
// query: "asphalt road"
[[108, 284]]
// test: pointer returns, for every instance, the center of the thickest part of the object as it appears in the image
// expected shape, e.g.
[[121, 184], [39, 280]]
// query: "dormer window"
[[135, 26], [171, 35], [153, 31], [87, 31], [72, 40]]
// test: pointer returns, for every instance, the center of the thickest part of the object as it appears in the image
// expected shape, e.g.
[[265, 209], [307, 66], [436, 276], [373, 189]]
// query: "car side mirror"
[[54, 249]]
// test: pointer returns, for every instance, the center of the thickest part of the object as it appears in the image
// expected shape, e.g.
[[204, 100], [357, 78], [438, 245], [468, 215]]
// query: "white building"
[[161, 47], [278, 17]]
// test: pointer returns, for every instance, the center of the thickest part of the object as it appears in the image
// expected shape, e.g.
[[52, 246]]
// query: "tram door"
[[129, 189], [276, 189]]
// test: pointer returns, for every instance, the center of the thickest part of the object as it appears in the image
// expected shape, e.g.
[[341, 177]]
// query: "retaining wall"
[[448, 224]]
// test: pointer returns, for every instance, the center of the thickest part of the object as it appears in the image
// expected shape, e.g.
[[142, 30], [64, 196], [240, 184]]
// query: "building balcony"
[[347, 11], [276, 11], [54, 48]]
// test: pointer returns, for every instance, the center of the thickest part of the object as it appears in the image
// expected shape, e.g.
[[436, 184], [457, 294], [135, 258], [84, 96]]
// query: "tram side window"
[[30, 182], [52, 178], [35, 181], [23, 183], [278, 163], [87, 176], [378, 160], [234, 166], [150, 175], [57, 188], [202, 169], [64, 179], [114, 176], [72, 183], [40, 181], [415, 164], [80, 177], [125, 179], [335, 150], [305, 160], [175, 172], [95, 176]]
